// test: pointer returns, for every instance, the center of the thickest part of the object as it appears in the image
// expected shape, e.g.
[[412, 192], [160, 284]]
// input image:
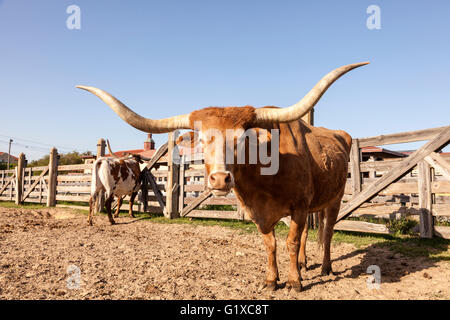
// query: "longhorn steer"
[[311, 176], [115, 177]]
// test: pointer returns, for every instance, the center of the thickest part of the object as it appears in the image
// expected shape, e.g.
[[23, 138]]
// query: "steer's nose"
[[221, 181]]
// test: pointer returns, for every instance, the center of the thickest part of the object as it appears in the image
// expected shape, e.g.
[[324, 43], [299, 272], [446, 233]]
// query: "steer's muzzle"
[[221, 183]]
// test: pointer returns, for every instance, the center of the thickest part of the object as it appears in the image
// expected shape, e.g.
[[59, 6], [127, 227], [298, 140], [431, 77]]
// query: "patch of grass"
[[244, 226], [74, 203], [442, 223], [11, 204], [219, 207], [435, 248]]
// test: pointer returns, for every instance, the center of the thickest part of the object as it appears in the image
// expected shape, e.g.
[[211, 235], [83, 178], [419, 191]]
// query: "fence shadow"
[[396, 258]]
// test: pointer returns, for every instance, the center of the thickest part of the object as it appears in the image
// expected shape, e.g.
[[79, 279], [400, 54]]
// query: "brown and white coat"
[[118, 177]]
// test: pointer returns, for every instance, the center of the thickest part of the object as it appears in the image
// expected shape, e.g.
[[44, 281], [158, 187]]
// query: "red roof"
[[142, 152], [122, 153], [12, 157]]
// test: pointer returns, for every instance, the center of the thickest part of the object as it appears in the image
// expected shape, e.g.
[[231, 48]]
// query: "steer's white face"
[[218, 154], [219, 171]]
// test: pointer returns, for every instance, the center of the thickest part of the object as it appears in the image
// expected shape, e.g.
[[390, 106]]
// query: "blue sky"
[[164, 58]]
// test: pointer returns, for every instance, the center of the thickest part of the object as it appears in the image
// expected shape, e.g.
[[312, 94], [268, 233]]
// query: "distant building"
[[4, 158], [381, 154]]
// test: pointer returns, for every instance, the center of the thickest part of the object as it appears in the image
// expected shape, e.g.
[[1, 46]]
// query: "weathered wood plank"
[[70, 178], [215, 200], [439, 163], [426, 218], [156, 191], [193, 204], [40, 168], [398, 171], [402, 137], [74, 167], [160, 173], [194, 173], [74, 189], [441, 231], [214, 214], [161, 151], [194, 187], [195, 157], [361, 226], [441, 210], [406, 188], [84, 198], [354, 167]]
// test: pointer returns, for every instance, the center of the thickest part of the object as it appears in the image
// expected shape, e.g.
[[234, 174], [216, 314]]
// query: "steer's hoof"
[[326, 270], [270, 286], [294, 285], [303, 266], [112, 222]]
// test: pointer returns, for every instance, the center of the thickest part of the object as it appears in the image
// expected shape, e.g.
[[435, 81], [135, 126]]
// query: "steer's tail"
[[321, 215], [96, 185], [95, 180]]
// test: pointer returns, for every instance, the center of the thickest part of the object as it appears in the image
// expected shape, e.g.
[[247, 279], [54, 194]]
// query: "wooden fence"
[[417, 185]]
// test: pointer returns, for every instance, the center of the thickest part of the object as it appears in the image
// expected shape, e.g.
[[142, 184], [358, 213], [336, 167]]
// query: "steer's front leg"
[[293, 245], [272, 269]]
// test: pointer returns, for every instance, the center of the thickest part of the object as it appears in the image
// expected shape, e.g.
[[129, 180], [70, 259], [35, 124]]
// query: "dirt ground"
[[138, 259]]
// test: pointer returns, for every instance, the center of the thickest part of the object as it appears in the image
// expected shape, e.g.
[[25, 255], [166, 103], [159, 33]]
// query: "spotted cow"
[[118, 177]]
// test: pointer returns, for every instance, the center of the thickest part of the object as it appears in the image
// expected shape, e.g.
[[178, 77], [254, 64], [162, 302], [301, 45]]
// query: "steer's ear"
[[187, 142]]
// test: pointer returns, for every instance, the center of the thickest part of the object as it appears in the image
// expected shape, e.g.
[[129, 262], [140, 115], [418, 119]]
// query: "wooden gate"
[[425, 185], [8, 183]]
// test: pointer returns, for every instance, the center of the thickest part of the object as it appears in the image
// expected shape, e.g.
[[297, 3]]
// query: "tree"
[[73, 157]]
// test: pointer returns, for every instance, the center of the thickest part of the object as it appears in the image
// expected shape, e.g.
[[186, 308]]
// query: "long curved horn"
[[298, 110], [135, 120], [109, 149]]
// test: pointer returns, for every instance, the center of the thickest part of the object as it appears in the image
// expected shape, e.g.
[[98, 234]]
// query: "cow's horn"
[[298, 110], [135, 120], [109, 149]]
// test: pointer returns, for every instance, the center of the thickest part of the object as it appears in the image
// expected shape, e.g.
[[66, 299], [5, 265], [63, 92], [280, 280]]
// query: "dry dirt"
[[138, 259]]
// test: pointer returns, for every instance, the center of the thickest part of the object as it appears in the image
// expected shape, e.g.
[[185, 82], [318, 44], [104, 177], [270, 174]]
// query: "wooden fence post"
[[20, 169], [172, 189], [425, 203], [52, 177], [355, 170], [101, 148], [101, 144], [181, 183]]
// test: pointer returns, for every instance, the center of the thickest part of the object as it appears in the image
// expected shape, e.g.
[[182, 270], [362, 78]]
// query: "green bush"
[[401, 226]]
